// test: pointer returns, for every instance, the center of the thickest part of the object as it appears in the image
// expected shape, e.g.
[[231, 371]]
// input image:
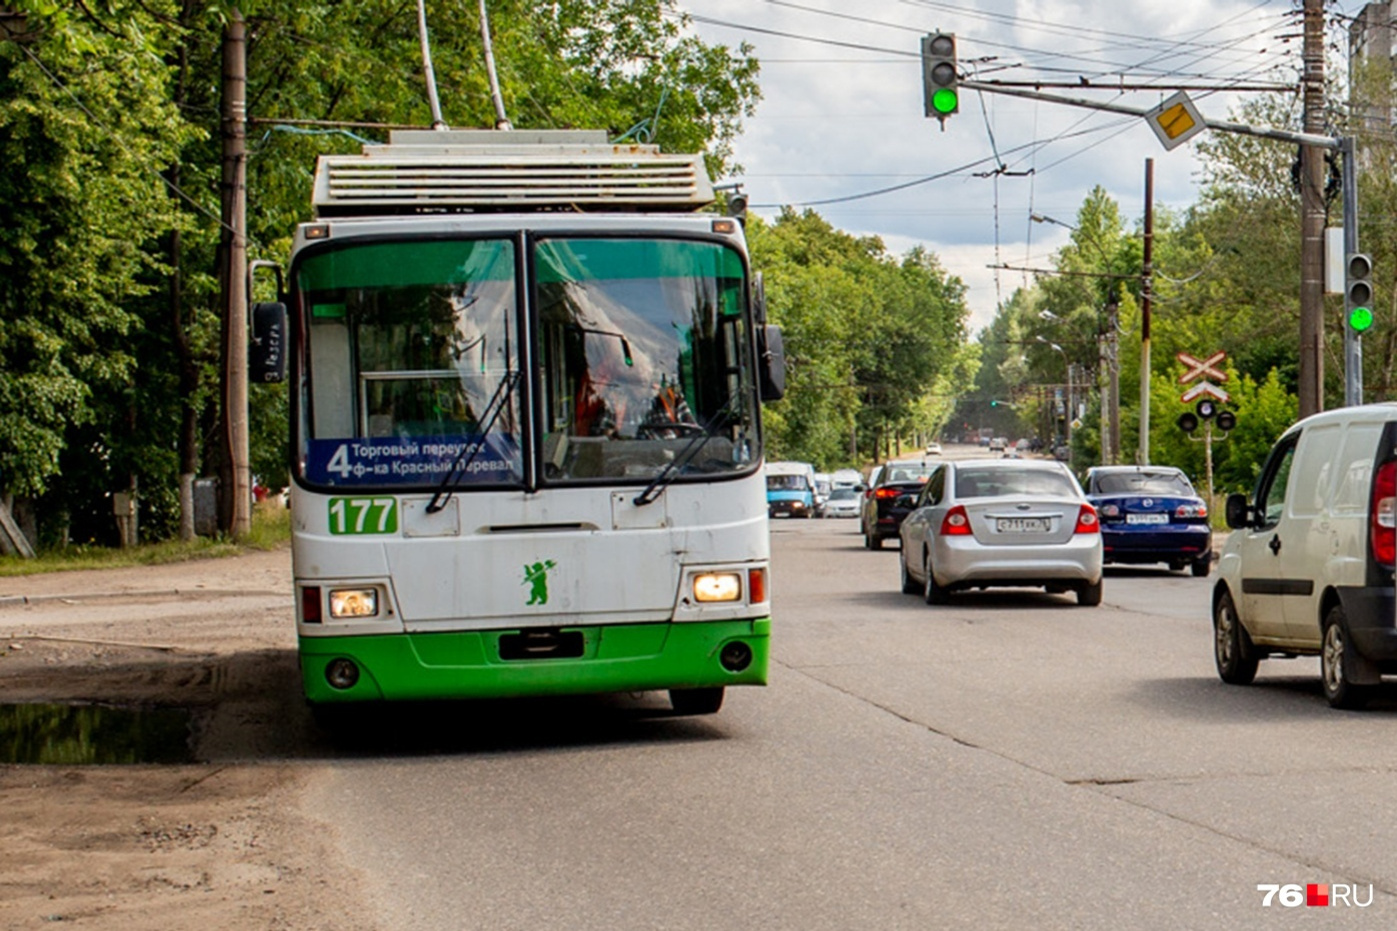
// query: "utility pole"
[[1113, 382], [237, 491], [1146, 296], [1311, 387]]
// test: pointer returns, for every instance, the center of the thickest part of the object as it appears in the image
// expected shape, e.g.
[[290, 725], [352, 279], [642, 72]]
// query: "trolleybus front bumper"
[[515, 663]]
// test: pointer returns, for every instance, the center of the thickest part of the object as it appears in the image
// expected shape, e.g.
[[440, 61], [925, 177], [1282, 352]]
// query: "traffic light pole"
[[1282, 135], [1353, 342]]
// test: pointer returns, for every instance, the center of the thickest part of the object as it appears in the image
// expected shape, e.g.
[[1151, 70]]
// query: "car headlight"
[[718, 586], [353, 602]]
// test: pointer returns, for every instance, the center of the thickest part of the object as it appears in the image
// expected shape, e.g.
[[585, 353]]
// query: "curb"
[[10, 601]]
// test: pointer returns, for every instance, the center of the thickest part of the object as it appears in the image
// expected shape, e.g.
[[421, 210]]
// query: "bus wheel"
[[696, 701]]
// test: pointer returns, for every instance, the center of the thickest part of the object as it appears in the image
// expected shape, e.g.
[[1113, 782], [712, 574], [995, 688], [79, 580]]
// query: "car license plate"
[[1022, 525], [1147, 518]]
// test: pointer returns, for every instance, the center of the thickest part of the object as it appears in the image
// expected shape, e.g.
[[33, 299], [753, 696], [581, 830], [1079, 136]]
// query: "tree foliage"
[[871, 339], [110, 159]]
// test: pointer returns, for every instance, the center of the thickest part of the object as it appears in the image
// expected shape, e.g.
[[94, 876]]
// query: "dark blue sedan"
[[1151, 514]]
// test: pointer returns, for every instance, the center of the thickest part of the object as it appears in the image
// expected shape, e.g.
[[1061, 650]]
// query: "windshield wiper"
[[463, 461], [664, 477]]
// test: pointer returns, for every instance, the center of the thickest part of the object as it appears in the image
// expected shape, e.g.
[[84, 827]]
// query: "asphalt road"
[[1009, 761]]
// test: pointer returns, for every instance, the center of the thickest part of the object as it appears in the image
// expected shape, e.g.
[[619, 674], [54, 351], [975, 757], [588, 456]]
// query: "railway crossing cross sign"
[[1204, 369]]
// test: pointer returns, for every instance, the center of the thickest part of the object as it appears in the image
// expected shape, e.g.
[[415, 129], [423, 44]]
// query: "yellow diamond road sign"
[[1176, 120]]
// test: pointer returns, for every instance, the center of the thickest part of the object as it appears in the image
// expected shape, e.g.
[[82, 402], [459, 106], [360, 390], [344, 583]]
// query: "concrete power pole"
[[1311, 388], [237, 491]]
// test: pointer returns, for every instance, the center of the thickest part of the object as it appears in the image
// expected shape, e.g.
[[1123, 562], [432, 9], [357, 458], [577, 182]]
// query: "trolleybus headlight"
[[342, 673], [353, 602], [718, 586]]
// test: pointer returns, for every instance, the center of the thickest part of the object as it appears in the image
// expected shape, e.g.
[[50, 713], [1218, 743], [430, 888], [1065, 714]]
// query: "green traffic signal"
[[1358, 292], [940, 75]]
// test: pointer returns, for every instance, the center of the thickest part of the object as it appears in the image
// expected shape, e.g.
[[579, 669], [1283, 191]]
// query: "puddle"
[[68, 735]]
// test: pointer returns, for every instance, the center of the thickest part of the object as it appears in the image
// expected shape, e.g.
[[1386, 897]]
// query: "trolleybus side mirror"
[[772, 352], [266, 352]]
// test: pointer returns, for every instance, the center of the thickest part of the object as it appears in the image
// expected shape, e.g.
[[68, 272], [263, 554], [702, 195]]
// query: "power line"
[[919, 181]]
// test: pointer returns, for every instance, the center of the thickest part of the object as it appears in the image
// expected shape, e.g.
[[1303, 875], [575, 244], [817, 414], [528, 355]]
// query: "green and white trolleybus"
[[525, 376]]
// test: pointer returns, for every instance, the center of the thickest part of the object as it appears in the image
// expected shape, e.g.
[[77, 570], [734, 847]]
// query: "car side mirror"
[[1237, 511]]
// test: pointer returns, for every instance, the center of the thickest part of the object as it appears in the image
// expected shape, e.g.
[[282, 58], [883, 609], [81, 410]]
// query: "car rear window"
[[992, 483], [1138, 483], [909, 473]]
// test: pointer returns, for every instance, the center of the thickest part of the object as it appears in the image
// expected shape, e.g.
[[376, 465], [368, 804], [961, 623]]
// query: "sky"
[[841, 114]]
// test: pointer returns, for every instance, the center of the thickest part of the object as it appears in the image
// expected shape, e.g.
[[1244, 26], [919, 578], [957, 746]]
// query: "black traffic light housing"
[[1358, 292], [1188, 421], [940, 75], [1206, 408], [1226, 421]]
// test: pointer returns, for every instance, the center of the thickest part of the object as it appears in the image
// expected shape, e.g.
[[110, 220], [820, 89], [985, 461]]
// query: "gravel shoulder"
[[220, 841]]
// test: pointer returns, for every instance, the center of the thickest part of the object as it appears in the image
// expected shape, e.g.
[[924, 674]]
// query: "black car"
[[890, 498]]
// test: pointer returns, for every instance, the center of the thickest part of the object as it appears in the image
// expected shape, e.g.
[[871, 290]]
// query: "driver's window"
[[1270, 493]]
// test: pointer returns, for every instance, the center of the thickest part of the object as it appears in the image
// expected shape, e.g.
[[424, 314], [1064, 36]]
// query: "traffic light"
[[1358, 292], [1188, 421], [1206, 408], [939, 75], [1226, 421]]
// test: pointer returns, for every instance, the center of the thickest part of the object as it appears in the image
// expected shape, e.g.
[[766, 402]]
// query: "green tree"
[[85, 123], [867, 336], [110, 136]]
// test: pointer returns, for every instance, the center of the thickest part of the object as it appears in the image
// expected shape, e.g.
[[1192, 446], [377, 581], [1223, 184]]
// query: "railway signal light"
[[1207, 408], [1358, 292], [1227, 421], [940, 80], [1188, 421]]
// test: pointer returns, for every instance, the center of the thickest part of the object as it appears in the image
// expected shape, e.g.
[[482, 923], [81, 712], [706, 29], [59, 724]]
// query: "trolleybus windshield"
[[638, 346]]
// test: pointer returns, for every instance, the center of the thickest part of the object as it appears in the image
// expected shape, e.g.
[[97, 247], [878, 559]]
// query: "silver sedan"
[[984, 523]]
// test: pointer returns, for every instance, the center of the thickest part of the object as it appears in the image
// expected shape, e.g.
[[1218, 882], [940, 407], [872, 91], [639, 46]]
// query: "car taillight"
[[956, 523], [1382, 518], [1191, 510], [1086, 520], [886, 493]]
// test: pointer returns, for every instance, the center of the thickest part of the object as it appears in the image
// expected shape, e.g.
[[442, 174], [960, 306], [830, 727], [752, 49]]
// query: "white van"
[[1308, 568]]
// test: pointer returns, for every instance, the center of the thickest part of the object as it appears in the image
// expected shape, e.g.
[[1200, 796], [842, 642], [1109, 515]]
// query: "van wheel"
[[932, 593], [1232, 647], [1202, 566], [1090, 595], [1335, 659], [696, 701], [909, 584]]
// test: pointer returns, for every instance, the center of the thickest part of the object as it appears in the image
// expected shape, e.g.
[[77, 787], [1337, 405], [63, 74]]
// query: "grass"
[[271, 528]]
